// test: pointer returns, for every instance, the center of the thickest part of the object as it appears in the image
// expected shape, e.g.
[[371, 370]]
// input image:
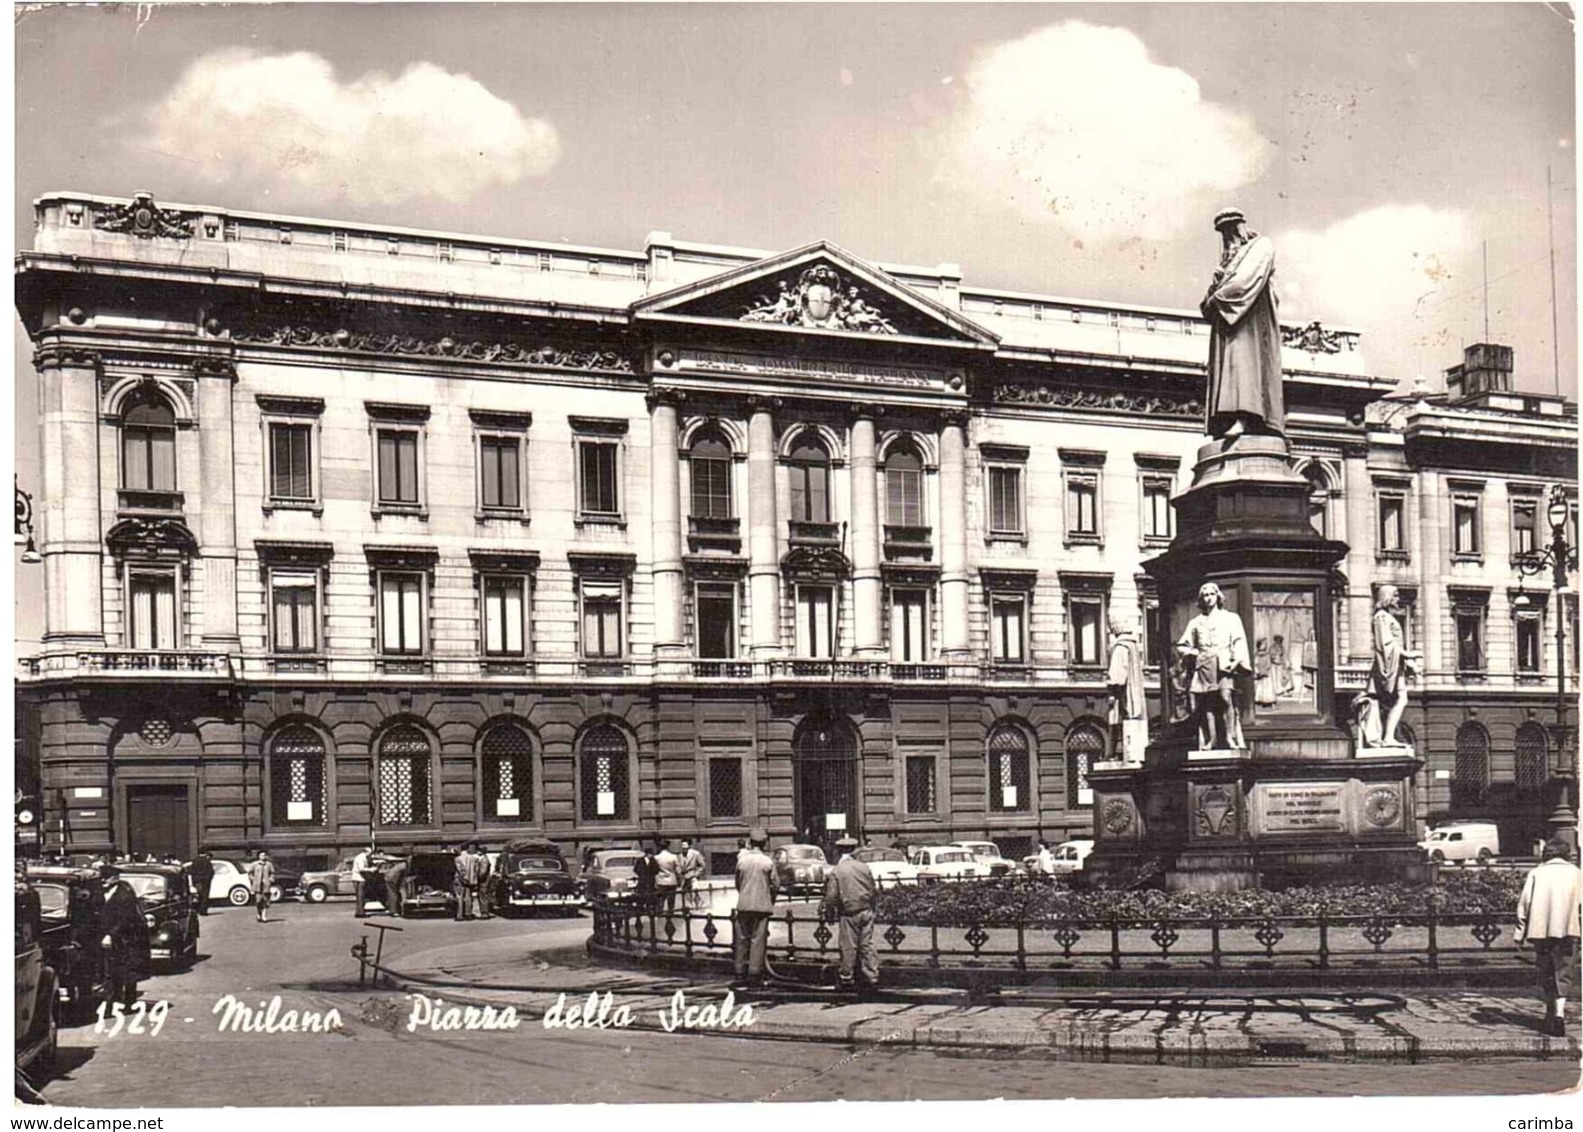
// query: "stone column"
[[1429, 558], [665, 482], [1358, 529], [216, 498], [953, 539], [66, 509], [763, 566], [867, 590]]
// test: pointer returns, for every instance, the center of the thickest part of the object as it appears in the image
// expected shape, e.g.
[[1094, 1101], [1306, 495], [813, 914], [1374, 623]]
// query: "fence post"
[[1324, 942], [1214, 941], [1115, 943], [687, 931], [934, 945], [1022, 951], [791, 943], [1434, 942]]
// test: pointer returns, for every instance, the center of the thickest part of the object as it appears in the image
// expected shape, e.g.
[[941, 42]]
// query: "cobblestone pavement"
[[302, 956]]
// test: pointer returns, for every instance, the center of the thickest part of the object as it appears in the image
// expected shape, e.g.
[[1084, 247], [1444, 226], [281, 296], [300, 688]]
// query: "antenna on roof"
[[1484, 246], [1550, 226]]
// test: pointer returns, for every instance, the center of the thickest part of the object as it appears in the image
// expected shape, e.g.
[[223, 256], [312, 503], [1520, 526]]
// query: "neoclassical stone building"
[[355, 531]]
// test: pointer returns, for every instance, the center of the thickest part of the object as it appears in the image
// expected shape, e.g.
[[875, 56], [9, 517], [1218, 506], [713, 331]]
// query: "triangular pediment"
[[818, 289]]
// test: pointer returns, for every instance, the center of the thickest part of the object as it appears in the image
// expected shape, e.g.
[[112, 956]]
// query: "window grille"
[[508, 774], [725, 788], [1533, 753], [297, 780], [605, 775], [1085, 746], [920, 784], [404, 778], [1470, 776], [1008, 770]]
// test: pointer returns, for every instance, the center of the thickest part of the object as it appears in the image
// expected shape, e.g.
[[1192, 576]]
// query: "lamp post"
[[1559, 557], [24, 525]]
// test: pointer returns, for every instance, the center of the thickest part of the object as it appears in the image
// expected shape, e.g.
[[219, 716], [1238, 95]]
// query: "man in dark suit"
[[647, 871], [756, 891], [202, 877]]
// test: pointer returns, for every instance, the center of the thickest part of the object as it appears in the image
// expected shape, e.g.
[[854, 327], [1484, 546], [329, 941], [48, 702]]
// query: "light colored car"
[[611, 872], [947, 862], [800, 868], [1070, 855], [1462, 841], [889, 866], [319, 886], [988, 853], [229, 883]]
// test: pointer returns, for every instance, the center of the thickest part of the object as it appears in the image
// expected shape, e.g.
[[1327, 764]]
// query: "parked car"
[[800, 868], [988, 853], [889, 866], [1070, 855], [319, 885], [947, 862], [532, 874], [35, 986], [70, 905], [230, 883], [168, 909], [611, 873], [430, 884], [1462, 841]]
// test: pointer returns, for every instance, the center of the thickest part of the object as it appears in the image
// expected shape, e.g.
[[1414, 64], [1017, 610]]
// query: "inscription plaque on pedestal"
[[1303, 808]]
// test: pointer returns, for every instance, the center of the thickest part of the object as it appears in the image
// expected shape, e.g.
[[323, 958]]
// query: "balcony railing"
[[131, 662], [132, 501], [908, 542], [812, 534], [713, 534], [723, 669]]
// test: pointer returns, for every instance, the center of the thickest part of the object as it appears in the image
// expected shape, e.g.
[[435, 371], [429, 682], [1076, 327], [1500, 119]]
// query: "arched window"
[[1318, 497], [1008, 770], [297, 794], [148, 445], [404, 777], [710, 458], [1470, 777], [1085, 746], [507, 754], [810, 481], [606, 777], [1533, 753], [903, 489]]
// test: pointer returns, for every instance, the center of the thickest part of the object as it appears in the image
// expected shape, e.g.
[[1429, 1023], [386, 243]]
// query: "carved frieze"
[[1314, 338], [151, 538], [143, 219], [1100, 400], [408, 345], [820, 299]]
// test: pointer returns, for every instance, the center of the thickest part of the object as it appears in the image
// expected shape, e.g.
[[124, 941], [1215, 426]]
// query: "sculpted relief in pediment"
[[821, 299]]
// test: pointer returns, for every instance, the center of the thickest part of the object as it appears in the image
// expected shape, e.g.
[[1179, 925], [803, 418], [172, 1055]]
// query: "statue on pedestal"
[[1385, 700], [1129, 724], [1245, 394], [1215, 649]]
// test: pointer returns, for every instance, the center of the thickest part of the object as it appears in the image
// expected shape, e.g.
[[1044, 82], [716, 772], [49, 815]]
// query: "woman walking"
[[261, 880]]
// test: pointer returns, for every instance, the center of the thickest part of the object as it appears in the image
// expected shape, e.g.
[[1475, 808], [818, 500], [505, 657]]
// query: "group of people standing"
[[473, 869], [663, 875]]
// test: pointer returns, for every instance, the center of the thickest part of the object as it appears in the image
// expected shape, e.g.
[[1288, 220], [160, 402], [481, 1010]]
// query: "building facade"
[[356, 532]]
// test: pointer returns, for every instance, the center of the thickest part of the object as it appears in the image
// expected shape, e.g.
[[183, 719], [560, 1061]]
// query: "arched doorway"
[[824, 776]]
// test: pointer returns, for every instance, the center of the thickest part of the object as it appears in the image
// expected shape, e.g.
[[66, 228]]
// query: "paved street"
[[302, 955]]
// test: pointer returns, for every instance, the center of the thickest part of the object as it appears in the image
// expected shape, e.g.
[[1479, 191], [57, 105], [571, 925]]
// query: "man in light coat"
[[693, 868], [668, 881], [1548, 918], [849, 897], [756, 891], [360, 865]]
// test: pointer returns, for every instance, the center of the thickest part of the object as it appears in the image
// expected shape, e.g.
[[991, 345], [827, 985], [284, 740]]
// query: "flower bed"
[[1007, 902]]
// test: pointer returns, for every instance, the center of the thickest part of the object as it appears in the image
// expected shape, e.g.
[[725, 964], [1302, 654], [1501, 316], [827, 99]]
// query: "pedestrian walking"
[[261, 882], [849, 899], [125, 940], [693, 869], [483, 870], [756, 891], [668, 881], [462, 884], [1046, 863], [202, 877], [1548, 918], [360, 865]]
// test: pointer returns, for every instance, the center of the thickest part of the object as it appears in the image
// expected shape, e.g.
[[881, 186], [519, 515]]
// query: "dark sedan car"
[[611, 873], [168, 909], [533, 874], [800, 868]]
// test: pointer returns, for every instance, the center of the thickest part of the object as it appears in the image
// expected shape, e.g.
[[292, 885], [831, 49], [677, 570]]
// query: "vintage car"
[[230, 883], [71, 902], [946, 862], [35, 987], [168, 910], [800, 868], [1070, 855], [429, 884], [889, 866], [532, 874], [610, 872], [319, 885], [988, 853]]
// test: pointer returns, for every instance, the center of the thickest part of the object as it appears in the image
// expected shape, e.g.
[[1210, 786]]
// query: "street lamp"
[[24, 525], [1559, 558]]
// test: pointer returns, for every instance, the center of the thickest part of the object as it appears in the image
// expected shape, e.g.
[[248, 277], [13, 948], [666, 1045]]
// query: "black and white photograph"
[[675, 555]]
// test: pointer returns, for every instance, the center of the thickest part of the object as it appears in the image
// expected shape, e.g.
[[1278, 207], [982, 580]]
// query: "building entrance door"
[[158, 821], [826, 782]]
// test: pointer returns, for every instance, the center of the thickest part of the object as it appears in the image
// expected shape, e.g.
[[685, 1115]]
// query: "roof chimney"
[[1485, 368]]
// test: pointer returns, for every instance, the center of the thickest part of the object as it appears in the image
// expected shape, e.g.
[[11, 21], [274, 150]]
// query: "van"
[[1070, 855], [1462, 841]]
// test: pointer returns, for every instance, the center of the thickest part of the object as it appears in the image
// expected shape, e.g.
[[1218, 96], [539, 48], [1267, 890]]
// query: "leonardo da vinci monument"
[[1252, 777]]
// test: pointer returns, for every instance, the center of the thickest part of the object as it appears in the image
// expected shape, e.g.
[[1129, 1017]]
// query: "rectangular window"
[[598, 468], [505, 615], [904, 493], [401, 614], [725, 788], [1087, 630], [602, 638], [715, 620], [1529, 648], [148, 458], [152, 613], [1007, 625], [1156, 509], [810, 492], [500, 472], [290, 461], [711, 481], [1466, 536], [1525, 525], [1470, 640], [1005, 500], [909, 626], [1393, 522], [1151, 631], [294, 604], [1082, 506], [815, 621], [398, 467], [920, 784]]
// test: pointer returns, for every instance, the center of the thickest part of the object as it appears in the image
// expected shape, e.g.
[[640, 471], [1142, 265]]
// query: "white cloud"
[[1389, 271], [1076, 122], [289, 124]]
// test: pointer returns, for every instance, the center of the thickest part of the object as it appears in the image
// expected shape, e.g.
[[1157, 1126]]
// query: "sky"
[[1397, 154]]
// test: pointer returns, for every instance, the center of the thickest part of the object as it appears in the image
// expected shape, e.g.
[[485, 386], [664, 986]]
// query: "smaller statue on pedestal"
[[1215, 649], [1129, 723], [1385, 700]]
